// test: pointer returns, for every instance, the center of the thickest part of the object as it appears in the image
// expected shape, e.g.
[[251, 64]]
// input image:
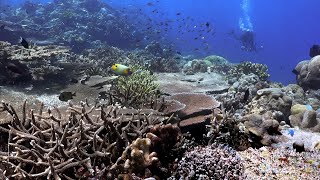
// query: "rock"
[[298, 146], [271, 126], [298, 108], [261, 130], [295, 120], [274, 92], [317, 127], [309, 119], [317, 146]]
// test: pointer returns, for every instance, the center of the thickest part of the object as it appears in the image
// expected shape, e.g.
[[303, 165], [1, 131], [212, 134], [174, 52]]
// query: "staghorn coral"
[[224, 129], [136, 89], [85, 142], [248, 67], [210, 162]]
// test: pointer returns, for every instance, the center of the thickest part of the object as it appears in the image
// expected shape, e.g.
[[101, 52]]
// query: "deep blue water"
[[285, 29]]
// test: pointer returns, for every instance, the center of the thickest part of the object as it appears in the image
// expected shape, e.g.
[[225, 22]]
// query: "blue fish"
[[291, 132]]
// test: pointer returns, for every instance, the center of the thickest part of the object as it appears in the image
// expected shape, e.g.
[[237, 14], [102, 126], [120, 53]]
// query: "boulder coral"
[[308, 73], [271, 99], [261, 128], [305, 119]]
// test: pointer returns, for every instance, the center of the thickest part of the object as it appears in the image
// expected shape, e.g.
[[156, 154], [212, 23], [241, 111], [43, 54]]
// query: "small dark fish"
[[149, 4], [24, 43], [74, 80], [103, 95], [178, 52], [178, 14], [246, 95], [314, 50], [207, 24], [66, 96]]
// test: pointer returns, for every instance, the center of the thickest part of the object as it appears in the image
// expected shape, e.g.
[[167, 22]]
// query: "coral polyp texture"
[[211, 162]]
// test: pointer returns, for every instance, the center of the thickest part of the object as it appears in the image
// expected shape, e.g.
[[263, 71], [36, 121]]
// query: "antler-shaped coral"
[[46, 144]]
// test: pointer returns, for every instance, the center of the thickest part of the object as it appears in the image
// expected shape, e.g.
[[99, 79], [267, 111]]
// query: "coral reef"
[[211, 63], [215, 60], [307, 73], [225, 129], [279, 163], [271, 99], [76, 24], [165, 61], [304, 118], [135, 90], [172, 83], [37, 62], [197, 111], [248, 67], [165, 139], [211, 162], [82, 143], [195, 66], [260, 129]]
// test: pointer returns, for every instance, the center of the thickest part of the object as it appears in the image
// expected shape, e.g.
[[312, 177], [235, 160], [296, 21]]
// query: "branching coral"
[[224, 129], [247, 67], [85, 143], [136, 89]]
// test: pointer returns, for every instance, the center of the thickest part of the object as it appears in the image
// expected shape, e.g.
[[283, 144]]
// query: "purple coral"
[[210, 162]]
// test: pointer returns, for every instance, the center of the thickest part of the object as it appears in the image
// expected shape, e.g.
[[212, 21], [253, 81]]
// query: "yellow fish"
[[122, 70]]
